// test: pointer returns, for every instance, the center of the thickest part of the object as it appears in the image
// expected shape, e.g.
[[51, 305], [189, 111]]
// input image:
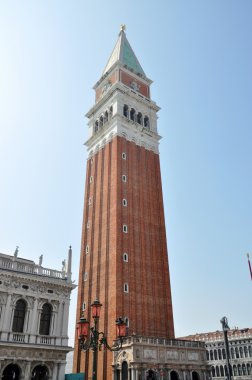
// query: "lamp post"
[[91, 338], [225, 329]]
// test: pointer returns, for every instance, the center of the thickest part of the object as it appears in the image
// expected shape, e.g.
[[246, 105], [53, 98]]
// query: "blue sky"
[[199, 55]]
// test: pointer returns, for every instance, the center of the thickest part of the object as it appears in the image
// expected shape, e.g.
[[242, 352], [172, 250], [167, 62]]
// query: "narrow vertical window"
[[85, 276], [124, 202], [19, 316], [84, 306], [91, 179], [125, 257], [90, 201], [125, 228], [124, 178], [45, 319], [87, 249], [126, 288], [124, 156], [88, 225], [125, 110]]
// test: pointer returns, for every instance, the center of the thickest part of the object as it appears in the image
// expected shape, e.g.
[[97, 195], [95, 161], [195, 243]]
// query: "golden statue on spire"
[[123, 27]]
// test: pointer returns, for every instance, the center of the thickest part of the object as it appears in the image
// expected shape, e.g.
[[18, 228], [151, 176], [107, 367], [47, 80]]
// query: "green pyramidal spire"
[[123, 53]]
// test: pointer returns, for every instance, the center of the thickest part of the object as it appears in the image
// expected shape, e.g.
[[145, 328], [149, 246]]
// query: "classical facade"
[[240, 350], [124, 261], [34, 308]]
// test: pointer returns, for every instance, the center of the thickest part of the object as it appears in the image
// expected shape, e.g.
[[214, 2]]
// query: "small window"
[[124, 178], [88, 225], [111, 111], [90, 201], [96, 126], [139, 118], [84, 306], [126, 288], [25, 287], [124, 202], [125, 110], [85, 276], [132, 114], [126, 320], [50, 291], [87, 249], [124, 156], [125, 228], [125, 257], [91, 179]]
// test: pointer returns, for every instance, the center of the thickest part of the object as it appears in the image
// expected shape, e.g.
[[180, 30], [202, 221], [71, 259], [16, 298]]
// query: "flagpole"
[[250, 269]]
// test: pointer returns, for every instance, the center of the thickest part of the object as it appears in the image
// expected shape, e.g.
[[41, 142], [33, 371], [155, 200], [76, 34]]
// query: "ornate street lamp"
[[91, 338], [225, 329]]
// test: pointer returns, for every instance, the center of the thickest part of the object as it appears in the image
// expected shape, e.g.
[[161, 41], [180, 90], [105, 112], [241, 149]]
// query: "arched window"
[[125, 110], [221, 371], [19, 316], [12, 371], [239, 370], [207, 355], [225, 370], [45, 319], [96, 126], [215, 355], [213, 372], [219, 354], [174, 375], [250, 351], [211, 355], [223, 353], [232, 353], [124, 371], [236, 352], [248, 369], [105, 117], [40, 372], [234, 370], [146, 122], [217, 371], [241, 352], [244, 372], [245, 352], [125, 257], [195, 375], [101, 121], [140, 118], [132, 114], [111, 111]]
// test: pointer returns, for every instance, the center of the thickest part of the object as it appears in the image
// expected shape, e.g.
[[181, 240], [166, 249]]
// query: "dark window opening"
[[19, 316], [45, 319]]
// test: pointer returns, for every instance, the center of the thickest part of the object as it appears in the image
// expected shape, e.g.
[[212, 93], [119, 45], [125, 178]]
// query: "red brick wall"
[[148, 304], [127, 79]]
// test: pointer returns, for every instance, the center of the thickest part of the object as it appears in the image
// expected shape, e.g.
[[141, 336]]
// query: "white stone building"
[[240, 352], [34, 309], [160, 359]]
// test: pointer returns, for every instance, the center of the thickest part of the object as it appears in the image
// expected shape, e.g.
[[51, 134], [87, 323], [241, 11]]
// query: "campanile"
[[124, 261]]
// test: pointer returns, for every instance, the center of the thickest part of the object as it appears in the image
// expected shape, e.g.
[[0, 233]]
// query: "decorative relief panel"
[[150, 354], [172, 355], [193, 356]]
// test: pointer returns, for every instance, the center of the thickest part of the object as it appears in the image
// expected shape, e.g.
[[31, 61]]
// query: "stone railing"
[[164, 342], [26, 338], [30, 267]]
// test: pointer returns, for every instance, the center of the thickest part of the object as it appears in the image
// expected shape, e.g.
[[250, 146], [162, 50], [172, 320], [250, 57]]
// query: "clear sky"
[[199, 55]]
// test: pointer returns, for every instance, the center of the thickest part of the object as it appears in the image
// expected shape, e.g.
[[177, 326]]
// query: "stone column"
[[133, 374], [55, 372], [34, 316], [61, 371], [6, 318], [65, 320]]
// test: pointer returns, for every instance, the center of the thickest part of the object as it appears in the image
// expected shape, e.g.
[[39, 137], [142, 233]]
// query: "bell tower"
[[124, 260]]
